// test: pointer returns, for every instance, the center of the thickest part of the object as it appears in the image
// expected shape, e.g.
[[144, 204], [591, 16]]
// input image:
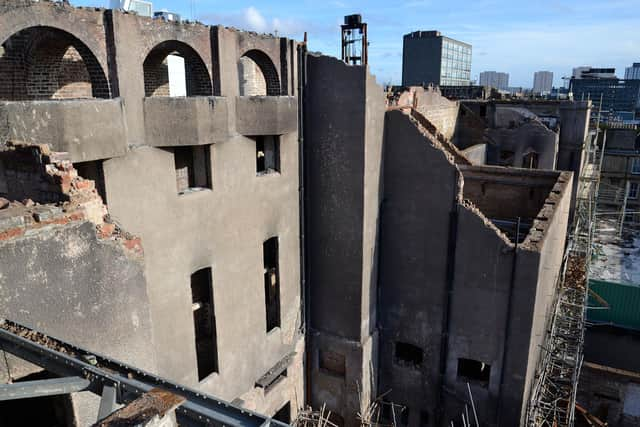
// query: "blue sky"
[[518, 37]]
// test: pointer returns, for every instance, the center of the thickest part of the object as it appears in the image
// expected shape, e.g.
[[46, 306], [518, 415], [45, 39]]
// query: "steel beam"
[[40, 388], [130, 382]]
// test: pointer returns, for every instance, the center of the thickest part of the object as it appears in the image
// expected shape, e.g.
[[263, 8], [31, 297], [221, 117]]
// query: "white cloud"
[[254, 20]]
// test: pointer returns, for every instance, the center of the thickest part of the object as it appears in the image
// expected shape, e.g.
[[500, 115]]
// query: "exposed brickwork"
[[42, 188], [252, 81], [44, 63], [267, 69], [156, 73]]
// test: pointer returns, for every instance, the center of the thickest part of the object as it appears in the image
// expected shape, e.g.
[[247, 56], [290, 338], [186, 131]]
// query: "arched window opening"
[[174, 69], [257, 75], [46, 63]]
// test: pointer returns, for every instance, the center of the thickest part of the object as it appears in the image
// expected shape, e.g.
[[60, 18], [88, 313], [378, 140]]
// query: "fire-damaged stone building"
[[240, 216]]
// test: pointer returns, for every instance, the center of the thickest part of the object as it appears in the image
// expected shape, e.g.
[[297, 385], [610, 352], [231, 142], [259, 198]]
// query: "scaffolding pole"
[[553, 397]]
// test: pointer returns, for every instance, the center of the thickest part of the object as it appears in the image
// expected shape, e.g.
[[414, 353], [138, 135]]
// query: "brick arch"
[[48, 63], [156, 75], [251, 82]]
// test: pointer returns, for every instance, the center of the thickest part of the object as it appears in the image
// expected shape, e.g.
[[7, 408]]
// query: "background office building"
[[633, 72], [429, 57], [542, 82], [588, 72], [620, 98], [494, 79]]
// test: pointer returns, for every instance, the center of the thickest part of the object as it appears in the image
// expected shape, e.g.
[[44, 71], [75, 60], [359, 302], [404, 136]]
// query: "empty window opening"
[[404, 416], [332, 363], [193, 168], [267, 154], [424, 418], [271, 282], [530, 160], [507, 157], [393, 413], [474, 371], [175, 69], [46, 63], [53, 411], [204, 321], [284, 414], [95, 172], [633, 190], [408, 354], [257, 75]]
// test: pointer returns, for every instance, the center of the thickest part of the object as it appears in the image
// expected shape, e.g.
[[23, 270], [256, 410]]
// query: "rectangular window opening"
[[408, 354], [271, 283], [204, 321], [633, 190], [635, 165], [193, 168], [267, 154], [474, 371]]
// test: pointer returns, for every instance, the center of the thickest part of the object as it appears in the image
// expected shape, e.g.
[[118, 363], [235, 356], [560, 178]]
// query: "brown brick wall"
[[44, 63], [261, 76], [252, 81], [156, 73]]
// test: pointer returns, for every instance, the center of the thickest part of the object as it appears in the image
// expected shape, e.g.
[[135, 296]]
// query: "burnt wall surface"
[[447, 271], [143, 144], [343, 143]]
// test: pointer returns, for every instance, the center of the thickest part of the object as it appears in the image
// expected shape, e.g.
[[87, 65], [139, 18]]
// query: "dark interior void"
[[49, 411], [284, 414], [408, 354], [474, 371], [271, 283], [94, 171], [508, 196], [204, 322], [193, 168], [393, 414]]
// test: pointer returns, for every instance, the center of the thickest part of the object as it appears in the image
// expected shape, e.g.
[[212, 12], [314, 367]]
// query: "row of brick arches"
[[40, 63]]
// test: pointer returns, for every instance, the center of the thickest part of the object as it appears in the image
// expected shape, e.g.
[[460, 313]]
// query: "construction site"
[[267, 236]]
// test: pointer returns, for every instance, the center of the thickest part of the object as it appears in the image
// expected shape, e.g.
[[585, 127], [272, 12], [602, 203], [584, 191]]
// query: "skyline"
[[517, 39]]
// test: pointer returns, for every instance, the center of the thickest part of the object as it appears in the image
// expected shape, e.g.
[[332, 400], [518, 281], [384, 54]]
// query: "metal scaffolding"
[[553, 398]]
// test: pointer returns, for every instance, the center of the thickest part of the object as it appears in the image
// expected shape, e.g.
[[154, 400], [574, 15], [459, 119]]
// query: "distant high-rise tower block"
[[494, 79], [633, 72], [354, 40], [429, 57], [542, 82]]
